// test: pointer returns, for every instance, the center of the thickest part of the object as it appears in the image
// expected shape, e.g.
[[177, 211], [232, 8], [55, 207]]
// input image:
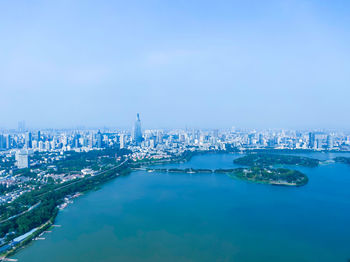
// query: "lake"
[[205, 217]]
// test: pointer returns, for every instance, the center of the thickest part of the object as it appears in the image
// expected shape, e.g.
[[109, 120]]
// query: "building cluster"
[[51, 140], [19, 148], [162, 143]]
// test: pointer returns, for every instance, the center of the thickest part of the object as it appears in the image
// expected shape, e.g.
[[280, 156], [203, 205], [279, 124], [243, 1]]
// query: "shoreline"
[[180, 159], [16, 248], [236, 173], [42, 228]]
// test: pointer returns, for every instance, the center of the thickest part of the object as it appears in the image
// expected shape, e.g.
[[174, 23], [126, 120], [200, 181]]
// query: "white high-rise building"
[[22, 159], [41, 145], [121, 141], [47, 145]]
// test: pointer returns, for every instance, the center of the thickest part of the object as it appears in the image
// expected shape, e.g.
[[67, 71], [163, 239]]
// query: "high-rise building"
[[76, 143], [41, 145], [330, 143], [136, 132], [159, 138], [47, 145], [261, 139], [312, 140], [151, 143], [8, 141], [99, 139], [22, 159], [251, 139], [91, 141], [2, 141], [53, 144], [29, 140], [319, 142], [121, 141]]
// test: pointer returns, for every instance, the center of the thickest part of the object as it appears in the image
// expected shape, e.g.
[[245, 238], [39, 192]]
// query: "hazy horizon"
[[195, 64], [146, 126]]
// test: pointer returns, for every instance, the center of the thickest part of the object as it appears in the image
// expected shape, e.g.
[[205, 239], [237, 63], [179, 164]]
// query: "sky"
[[183, 63]]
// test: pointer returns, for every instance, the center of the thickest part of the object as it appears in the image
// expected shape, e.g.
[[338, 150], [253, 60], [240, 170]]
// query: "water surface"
[[204, 217]]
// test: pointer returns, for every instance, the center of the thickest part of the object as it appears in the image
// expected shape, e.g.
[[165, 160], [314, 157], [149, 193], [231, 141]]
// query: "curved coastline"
[[185, 157]]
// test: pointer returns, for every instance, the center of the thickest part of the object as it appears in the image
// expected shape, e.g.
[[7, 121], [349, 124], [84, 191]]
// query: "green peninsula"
[[265, 160], [279, 176]]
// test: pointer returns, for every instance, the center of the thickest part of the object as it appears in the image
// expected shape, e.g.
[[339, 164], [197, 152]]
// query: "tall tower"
[[136, 132], [2, 141], [312, 140], [99, 139], [8, 141], [28, 140], [121, 141], [22, 159], [330, 142]]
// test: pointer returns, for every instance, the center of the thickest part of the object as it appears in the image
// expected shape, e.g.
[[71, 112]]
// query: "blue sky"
[[179, 63]]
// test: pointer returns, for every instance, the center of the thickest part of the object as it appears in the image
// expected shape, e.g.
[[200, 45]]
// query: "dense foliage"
[[265, 160], [5, 189], [93, 159], [6, 163], [278, 176], [49, 197], [20, 217], [26, 172]]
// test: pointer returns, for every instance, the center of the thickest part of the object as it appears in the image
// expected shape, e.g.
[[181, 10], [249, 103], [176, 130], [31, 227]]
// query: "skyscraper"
[[312, 140], [8, 141], [22, 159], [159, 138], [261, 139], [136, 132], [330, 142], [76, 143], [99, 139], [91, 141], [2, 141], [29, 140], [121, 141]]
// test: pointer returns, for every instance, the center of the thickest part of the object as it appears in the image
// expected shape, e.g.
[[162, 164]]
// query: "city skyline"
[[278, 64], [149, 139], [131, 126], [167, 130], [22, 126]]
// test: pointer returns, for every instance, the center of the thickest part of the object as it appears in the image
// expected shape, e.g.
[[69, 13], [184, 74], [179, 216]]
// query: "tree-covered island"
[[279, 176], [262, 175], [260, 169], [266, 160]]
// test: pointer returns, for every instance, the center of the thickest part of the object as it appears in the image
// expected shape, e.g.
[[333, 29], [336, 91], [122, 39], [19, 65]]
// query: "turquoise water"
[[204, 217]]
